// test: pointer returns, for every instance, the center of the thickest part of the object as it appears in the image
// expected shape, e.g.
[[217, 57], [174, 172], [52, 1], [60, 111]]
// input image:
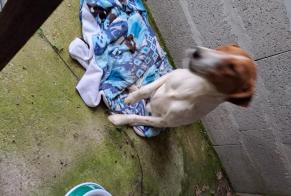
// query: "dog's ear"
[[228, 47], [242, 99], [235, 45]]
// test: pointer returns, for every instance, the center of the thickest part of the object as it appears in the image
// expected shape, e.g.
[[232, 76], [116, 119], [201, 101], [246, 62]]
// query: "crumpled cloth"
[[118, 49]]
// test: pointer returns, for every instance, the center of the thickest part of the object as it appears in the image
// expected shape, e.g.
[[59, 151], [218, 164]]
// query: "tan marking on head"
[[235, 77], [233, 49]]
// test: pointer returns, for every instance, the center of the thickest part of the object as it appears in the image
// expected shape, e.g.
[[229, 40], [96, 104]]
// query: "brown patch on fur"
[[130, 43], [233, 49], [235, 77], [112, 17]]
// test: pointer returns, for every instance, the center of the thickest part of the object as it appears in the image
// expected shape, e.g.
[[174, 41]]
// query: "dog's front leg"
[[146, 91], [135, 120]]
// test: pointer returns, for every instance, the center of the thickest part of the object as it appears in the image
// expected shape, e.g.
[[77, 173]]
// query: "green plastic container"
[[88, 189]]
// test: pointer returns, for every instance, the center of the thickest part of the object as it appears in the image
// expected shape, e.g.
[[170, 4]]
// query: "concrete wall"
[[253, 144]]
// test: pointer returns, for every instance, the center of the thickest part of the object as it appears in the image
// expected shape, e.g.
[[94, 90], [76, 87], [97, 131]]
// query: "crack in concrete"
[[272, 55], [57, 51], [139, 160], [227, 145]]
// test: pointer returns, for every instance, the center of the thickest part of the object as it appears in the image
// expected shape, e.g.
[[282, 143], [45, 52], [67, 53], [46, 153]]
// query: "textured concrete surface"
[[50, 141], [254, 144]]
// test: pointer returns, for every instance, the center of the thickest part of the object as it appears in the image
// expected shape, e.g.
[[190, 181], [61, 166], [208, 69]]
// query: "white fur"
[[178, 98], [209, 58], [182, 96]]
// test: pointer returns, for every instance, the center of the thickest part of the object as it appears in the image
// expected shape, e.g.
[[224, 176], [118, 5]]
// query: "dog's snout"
[[197, 54]]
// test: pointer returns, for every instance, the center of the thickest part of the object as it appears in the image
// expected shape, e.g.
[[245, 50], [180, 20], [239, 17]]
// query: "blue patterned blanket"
[[118, 49]]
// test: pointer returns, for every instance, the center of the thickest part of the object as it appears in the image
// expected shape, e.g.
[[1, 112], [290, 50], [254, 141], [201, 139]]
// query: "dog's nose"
[[197, 54]]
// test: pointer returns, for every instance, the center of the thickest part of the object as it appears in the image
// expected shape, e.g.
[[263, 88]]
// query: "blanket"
[[118, 49]]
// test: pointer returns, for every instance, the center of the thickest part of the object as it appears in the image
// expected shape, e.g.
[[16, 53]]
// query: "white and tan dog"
[[186, 95]]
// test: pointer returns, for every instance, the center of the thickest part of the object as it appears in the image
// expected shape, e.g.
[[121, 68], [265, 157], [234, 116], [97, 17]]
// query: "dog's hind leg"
[[146, 91], [134, 120], [132, 88]]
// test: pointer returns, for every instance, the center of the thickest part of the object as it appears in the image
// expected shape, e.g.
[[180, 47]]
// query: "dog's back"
[[185, 97]]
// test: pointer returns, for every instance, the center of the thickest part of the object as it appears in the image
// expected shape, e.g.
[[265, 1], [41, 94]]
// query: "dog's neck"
[[208, 88]]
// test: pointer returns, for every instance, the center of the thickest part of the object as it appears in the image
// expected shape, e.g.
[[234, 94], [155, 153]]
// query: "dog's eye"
[[231, 66], [196, 54]]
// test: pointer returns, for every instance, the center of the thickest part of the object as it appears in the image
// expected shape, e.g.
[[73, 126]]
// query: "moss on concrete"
[[49, 139], [61, 28], [113, 164], [196, 146], [197, 151]]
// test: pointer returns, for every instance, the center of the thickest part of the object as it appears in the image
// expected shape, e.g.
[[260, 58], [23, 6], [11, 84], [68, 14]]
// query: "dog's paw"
[[129, 99], [132, 88], [116, 119]]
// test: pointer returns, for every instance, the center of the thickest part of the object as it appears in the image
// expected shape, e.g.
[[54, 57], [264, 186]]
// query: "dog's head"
[[229, 68]]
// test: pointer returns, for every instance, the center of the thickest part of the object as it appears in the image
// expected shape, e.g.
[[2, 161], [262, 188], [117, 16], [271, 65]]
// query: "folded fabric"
[[118, 49]]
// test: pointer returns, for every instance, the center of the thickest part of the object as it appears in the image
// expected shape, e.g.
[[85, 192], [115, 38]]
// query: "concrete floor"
[[50, 141]]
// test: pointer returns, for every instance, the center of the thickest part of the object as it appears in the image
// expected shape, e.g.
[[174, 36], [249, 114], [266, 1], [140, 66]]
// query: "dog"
[[183, 96]]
